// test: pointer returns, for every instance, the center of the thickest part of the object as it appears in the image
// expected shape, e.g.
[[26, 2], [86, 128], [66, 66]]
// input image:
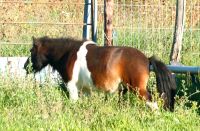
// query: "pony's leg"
[[122, 91], [73, 90], [85, 91], [144, 93]]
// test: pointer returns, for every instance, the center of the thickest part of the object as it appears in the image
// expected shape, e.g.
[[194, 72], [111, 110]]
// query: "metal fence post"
[[87, 19], [94, 20]]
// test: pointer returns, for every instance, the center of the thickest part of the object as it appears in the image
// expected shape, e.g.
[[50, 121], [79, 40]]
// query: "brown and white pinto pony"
[[83, 64]]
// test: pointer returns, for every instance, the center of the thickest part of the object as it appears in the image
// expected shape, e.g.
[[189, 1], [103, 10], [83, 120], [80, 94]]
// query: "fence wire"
[[149, 26], [20, 20]]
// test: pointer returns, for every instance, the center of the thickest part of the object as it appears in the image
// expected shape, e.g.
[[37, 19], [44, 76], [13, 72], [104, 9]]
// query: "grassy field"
[[26, 105]]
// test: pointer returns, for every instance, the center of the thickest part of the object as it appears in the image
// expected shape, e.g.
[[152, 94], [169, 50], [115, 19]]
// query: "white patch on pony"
[[81, 76], [152, 105]]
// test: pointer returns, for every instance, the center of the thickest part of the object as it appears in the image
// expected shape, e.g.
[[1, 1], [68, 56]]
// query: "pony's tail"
[[166, 84]]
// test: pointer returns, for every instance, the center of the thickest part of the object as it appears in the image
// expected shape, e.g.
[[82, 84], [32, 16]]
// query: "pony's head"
[[38, 59]]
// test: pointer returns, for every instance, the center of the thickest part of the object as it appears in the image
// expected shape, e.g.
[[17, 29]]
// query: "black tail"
[[166, 84]]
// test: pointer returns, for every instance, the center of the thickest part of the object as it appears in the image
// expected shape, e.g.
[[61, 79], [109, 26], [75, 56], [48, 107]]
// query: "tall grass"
[[14, 50], [26, 105], [157, 43]]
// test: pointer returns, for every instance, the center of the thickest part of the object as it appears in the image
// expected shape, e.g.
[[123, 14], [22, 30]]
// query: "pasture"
[[28, 105]]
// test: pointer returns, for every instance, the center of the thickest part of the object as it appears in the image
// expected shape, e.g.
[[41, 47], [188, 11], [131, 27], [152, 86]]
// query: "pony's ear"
[[36, 42], [33, 38]]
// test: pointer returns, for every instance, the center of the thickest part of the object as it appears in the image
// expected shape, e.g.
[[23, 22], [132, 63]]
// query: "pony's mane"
[[59, 48], [59, 41]]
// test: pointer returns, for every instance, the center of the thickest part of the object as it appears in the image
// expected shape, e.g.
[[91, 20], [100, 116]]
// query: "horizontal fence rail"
[[182, 69]]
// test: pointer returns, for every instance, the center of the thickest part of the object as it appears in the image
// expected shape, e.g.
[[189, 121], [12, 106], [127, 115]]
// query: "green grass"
[[15, 50], [157, 43], [25, 105]]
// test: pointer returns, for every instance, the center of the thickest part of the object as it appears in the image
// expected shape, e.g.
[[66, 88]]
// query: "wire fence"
[[149, 26], [20, 20], [146, 25]]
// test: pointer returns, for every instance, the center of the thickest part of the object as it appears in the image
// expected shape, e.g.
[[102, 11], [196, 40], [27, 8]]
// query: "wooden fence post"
[[175, 54], [108, 27]]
